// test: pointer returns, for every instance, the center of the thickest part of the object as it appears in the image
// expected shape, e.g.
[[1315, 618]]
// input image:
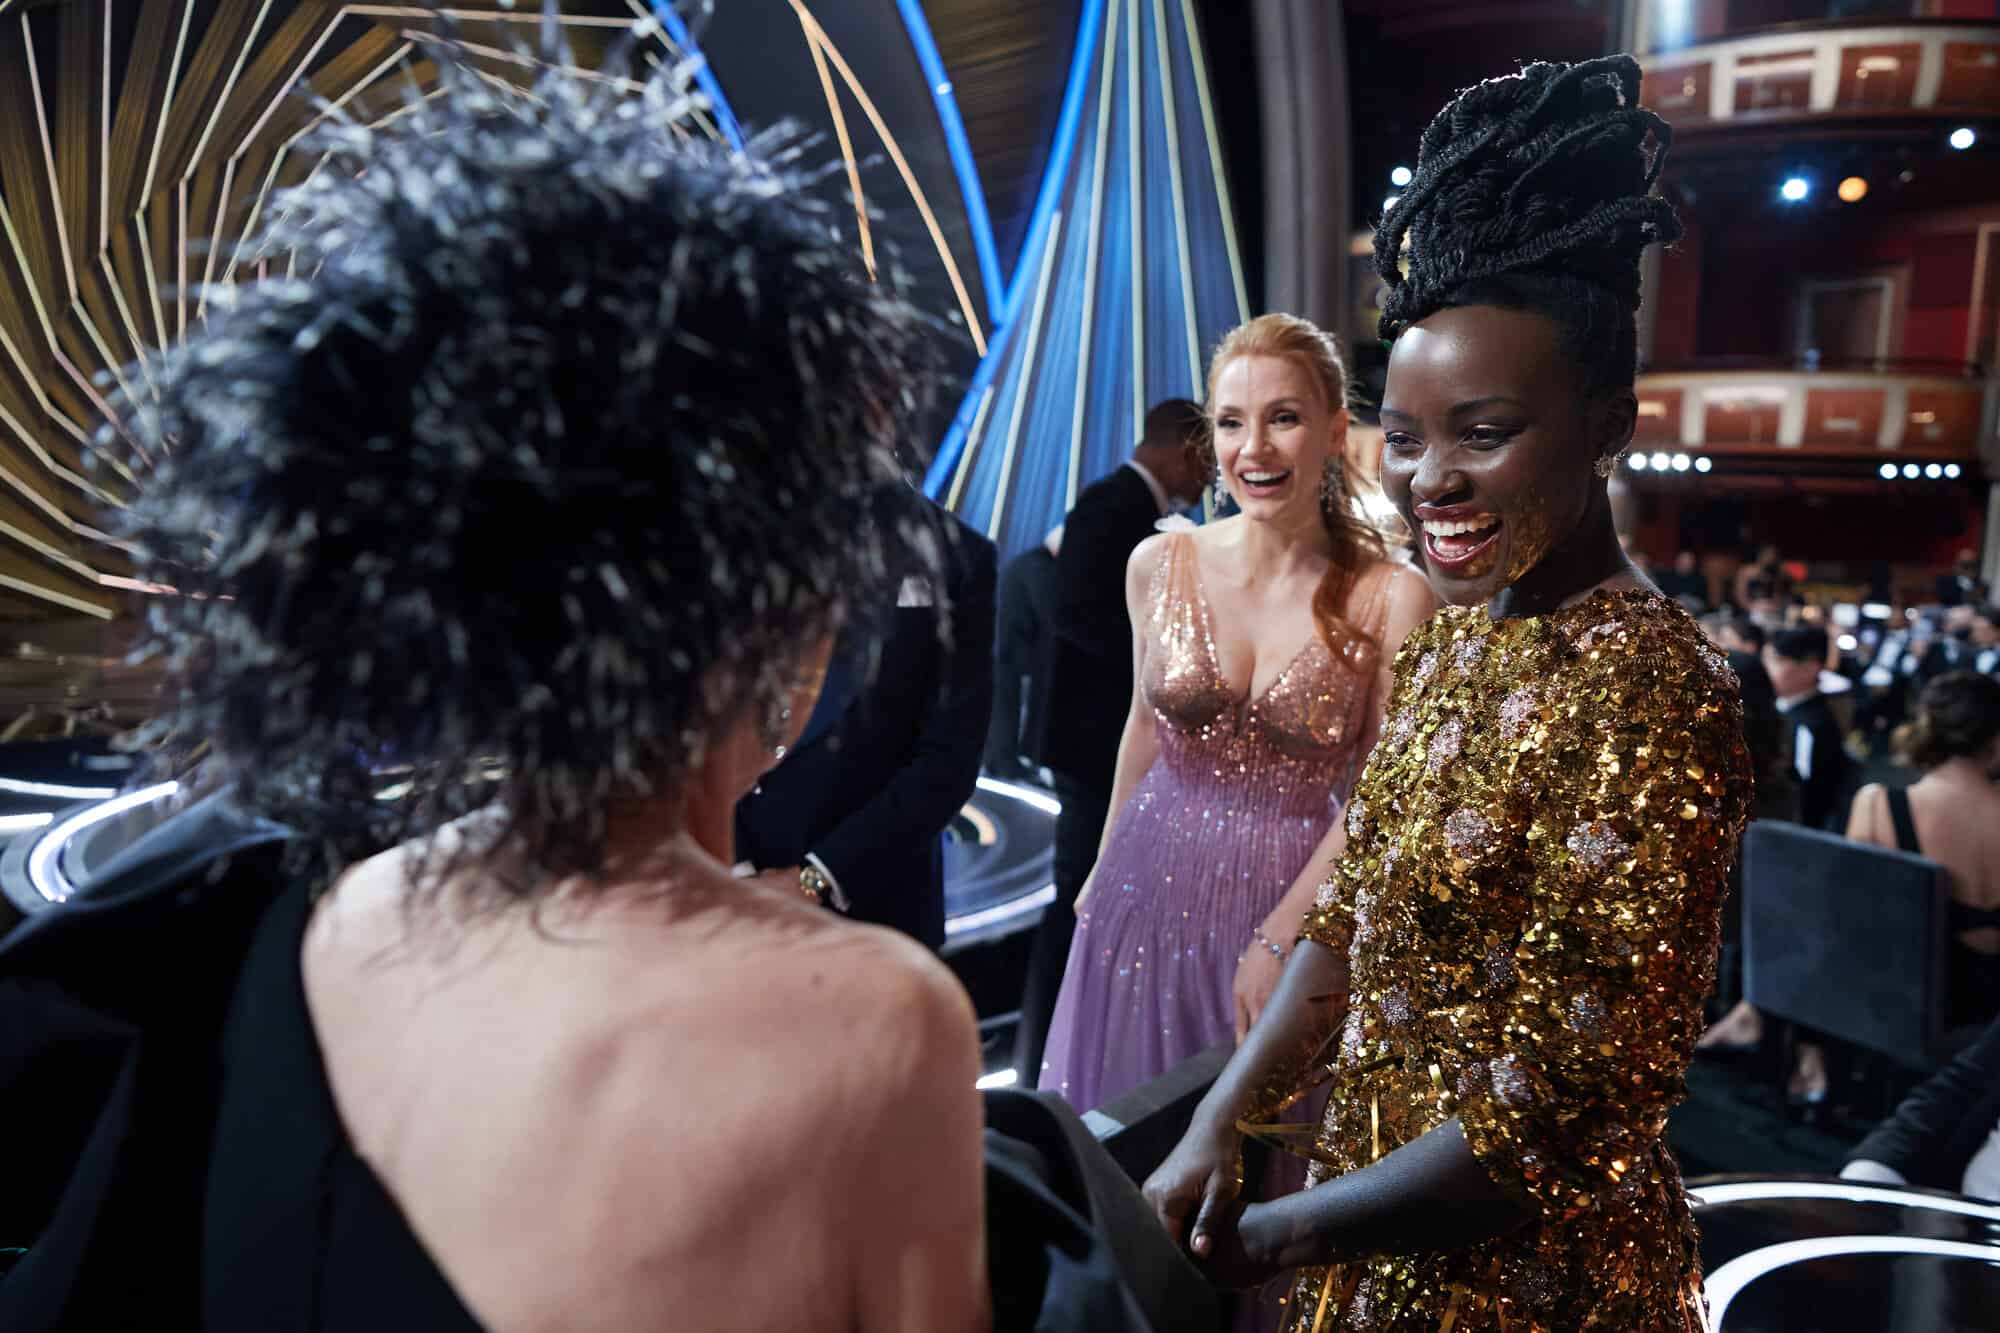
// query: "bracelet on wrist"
[[1257, 934]]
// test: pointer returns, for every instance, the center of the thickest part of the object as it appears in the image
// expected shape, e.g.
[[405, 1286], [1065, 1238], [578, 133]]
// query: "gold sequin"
[[1541, 917]]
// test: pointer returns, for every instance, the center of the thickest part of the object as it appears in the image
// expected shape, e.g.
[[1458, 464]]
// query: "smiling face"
[[1274, 434], [1489, 449]]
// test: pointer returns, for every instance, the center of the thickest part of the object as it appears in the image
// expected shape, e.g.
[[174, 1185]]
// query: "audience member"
[[1794, 659], [1020, 630], [1946, 1133], [1962, 584], [1685, 582], [542, 477], [1089, 687], [1741, 634], [854, 815], [1951, 814], [1952, 650], [1985, 632]]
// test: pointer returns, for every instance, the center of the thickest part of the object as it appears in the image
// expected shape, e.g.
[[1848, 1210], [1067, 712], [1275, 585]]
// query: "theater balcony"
[[1731, 68], [1890, 416]]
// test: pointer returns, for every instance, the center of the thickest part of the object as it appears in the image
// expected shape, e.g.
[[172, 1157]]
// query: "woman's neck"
[[638, 828], [1588, 559], [1273, 549]]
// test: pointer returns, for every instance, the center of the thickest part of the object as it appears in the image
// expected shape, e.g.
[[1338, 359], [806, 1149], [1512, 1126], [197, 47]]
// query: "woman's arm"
[[1862, 822], [1139, 746]]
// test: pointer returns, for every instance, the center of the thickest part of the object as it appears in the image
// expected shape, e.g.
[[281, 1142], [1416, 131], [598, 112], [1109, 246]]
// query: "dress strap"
[[1900, 816]]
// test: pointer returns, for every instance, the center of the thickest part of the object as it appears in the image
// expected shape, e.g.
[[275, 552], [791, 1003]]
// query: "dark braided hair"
[[553, 465], [1533, 192]]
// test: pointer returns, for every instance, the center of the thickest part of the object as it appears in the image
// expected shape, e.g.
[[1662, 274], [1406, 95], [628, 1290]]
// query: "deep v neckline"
[[1249, 698]]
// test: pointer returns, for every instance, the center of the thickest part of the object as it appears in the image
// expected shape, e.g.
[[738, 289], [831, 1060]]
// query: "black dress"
[[1972, 978], [298, 1234]]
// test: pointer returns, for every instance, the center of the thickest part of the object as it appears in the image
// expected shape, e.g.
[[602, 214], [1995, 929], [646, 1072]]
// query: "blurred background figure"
[[1027, 593], [855, 813], [1962, 583]]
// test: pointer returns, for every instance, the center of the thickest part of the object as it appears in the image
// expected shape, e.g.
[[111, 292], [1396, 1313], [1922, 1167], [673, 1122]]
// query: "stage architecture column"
[[1303, 101]]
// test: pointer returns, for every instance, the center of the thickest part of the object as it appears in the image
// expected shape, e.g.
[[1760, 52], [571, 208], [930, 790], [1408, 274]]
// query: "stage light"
[[1934, 471], [1951, 471], [1911, 470], [1637, 462], [999, 1078], [1847, 643], [1390, 202], [1853, 190], [1682, 462], [1704, 464], [1400, 176], [1794, 189], [1888, 472], [1661, 462], [1963, 138]]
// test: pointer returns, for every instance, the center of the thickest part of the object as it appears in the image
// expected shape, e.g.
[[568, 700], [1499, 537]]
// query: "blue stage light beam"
[[704, 77], [1053, 175], [960, 148]]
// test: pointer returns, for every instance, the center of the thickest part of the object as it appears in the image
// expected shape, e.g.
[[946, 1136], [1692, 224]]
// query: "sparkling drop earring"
[[1607, 464], [777, 721]]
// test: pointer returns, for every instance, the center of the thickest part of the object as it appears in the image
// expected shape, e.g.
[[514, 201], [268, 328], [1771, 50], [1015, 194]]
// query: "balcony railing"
[[1934, 409], [1804, 71]]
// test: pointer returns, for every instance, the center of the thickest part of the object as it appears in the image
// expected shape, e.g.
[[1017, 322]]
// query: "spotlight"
[[1847, 643], [1853, 190], [1888, 472], [1399, 177], [1963, 138], [1911, 471], [1390, 202], [1951, 471], [1661, 462], [1682, 462], [1795, 188], [1704, 464], [1638, 462], [1933, 471]]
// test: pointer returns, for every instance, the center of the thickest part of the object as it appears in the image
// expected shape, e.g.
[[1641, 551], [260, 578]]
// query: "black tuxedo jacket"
[[892, 751], [1939, 1126], [1089, 668], [1824, 785]]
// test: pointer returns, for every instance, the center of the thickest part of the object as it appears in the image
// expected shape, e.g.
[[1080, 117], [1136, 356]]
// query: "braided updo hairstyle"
[[1534, 192], [1356, 541], [549, 468]]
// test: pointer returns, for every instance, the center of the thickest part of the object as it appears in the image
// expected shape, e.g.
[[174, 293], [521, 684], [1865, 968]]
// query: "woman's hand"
[[1235, 1254], [1199, 1185], [1257, 973]]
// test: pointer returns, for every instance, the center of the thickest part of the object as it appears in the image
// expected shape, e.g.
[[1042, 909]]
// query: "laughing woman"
[[1503, 979]]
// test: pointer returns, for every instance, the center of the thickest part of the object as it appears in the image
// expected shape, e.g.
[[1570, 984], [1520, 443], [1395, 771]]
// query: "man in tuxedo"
[[1027, 591], [1946, 1134], [1794, 659], [1089, 672], [855, 814], [1962, 585], [1986, 640]]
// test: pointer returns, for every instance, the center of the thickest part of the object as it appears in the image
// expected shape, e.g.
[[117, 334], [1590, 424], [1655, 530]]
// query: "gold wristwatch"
[[814, 883]]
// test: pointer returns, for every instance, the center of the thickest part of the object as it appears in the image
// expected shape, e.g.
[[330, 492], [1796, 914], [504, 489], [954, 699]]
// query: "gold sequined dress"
[[1529, 900]]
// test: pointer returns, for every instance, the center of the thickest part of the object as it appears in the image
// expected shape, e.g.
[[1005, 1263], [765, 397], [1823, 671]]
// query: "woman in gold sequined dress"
[[1503, 980]]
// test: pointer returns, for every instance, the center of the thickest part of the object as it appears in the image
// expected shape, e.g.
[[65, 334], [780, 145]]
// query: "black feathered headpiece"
[[552, 457]]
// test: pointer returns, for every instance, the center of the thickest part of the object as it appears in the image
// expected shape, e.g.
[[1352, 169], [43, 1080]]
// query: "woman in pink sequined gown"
[[1261, 644]]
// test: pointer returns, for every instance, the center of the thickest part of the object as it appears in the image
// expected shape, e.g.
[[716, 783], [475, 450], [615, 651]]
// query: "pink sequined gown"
[[1217, 831]]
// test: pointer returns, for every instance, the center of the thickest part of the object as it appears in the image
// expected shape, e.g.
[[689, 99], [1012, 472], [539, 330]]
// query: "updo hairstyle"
[[550, 465], [1957, 717], [1534, 192]]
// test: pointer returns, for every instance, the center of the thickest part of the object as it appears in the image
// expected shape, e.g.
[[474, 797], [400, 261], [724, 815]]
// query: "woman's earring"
[[777, 724], [1221, 493], [1607, 464], [1330, 484]]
